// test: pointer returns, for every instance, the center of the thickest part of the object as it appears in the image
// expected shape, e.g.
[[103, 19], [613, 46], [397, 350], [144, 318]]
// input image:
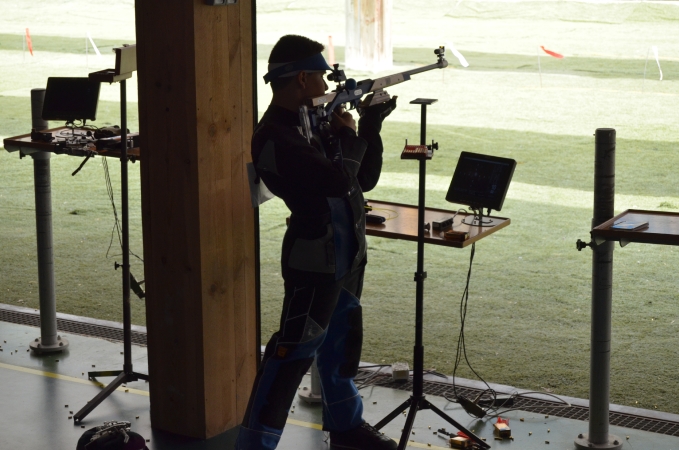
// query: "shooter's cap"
[[314, 63]]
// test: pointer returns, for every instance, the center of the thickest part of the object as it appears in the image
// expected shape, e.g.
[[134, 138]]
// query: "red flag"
[[28, 42], [551, 53]]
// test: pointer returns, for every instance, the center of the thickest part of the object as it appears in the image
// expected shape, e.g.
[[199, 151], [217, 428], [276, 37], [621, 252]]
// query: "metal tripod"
[[417, 400], [127, 374]]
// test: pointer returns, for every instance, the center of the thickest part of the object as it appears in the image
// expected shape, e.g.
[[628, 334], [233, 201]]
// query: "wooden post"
[[196, 116], [368, 41]]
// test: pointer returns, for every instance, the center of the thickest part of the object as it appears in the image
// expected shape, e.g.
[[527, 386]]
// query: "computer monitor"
[[481, 181], [70, 99]]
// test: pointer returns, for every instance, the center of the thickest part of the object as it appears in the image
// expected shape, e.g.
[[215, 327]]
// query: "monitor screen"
[[70, 99], [481, 181]]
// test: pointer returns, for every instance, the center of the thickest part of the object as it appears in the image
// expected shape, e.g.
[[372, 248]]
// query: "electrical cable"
[[461, 351], [116, 223], [364, 381], [452, 225], [496, 409], [472, 408], [435, 373]]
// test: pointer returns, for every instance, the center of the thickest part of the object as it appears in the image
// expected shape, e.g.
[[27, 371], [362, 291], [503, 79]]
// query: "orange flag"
[[551, 53], [28, 42]]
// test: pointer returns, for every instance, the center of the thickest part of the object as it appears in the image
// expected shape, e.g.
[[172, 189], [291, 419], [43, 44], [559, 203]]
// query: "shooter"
[[311, 155]]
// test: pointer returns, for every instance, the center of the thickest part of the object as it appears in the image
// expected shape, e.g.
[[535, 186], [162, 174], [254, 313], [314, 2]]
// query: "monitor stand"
[[479, 220]]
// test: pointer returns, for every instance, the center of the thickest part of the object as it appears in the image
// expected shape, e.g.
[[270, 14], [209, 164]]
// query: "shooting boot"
[[364, 437]]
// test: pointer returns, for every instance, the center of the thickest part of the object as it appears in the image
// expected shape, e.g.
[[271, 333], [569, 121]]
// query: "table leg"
[[49, 340]]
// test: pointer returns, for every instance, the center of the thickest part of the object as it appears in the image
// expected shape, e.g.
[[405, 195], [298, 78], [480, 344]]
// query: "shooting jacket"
[[322, 184]]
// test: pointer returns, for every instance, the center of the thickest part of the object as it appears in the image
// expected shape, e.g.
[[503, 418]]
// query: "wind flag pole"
[[94, 47], [457, 54], [539, 68], [657, 60], [653, 49]]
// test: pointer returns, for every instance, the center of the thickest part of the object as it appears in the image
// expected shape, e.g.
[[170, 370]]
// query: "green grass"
[[613, 13], [528, 321], [86, 282], [589, 66], [58, 44]]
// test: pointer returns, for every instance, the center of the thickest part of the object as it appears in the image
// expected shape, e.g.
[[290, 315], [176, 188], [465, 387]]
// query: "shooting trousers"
[[318, 319]]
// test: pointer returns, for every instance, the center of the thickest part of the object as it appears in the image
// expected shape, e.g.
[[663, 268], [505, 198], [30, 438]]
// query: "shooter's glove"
[[377, 112]]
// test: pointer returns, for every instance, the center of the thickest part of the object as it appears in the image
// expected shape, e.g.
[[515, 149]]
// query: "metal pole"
[[418, 398], [313, 395], [126, 375], [418, 363], [539, 67], [48, 341], [602, 290], [127, 317]]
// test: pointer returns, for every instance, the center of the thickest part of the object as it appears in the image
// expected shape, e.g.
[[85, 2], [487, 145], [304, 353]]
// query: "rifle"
[[315, 115]]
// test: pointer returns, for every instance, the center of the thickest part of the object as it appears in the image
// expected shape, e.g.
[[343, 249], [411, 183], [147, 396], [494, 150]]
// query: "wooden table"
[[41, 152], [663, 228], [402, 224], [25, 145]]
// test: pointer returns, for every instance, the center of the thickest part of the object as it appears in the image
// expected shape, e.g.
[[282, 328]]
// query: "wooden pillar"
[[368, 41], [196, 116]]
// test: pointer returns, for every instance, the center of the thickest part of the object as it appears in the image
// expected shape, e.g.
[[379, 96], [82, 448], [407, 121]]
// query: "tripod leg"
[[140, 376], [408, 427], [80, 415], [105, 373], [454, 423], [392, 415]]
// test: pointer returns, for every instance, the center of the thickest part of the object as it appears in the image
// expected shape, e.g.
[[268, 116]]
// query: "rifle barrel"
[[438, 65], [372, 85]]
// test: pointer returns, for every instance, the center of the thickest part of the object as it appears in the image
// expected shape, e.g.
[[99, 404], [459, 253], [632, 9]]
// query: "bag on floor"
[[112, 435]]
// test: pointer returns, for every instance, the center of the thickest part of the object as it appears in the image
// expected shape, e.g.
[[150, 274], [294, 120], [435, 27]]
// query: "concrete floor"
[[39, 393]]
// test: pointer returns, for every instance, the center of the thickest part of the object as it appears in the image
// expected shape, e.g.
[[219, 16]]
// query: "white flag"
[[655, 53], [458, 55], [96, 50]]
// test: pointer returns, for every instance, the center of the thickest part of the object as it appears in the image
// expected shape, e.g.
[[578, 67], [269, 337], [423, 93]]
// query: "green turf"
[[590, 66], [86, 282], [572, 65], [611, 13], [528, 318], [58, 44]]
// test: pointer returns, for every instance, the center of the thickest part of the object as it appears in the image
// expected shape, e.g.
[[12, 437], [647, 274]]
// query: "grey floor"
[[39, 393]]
